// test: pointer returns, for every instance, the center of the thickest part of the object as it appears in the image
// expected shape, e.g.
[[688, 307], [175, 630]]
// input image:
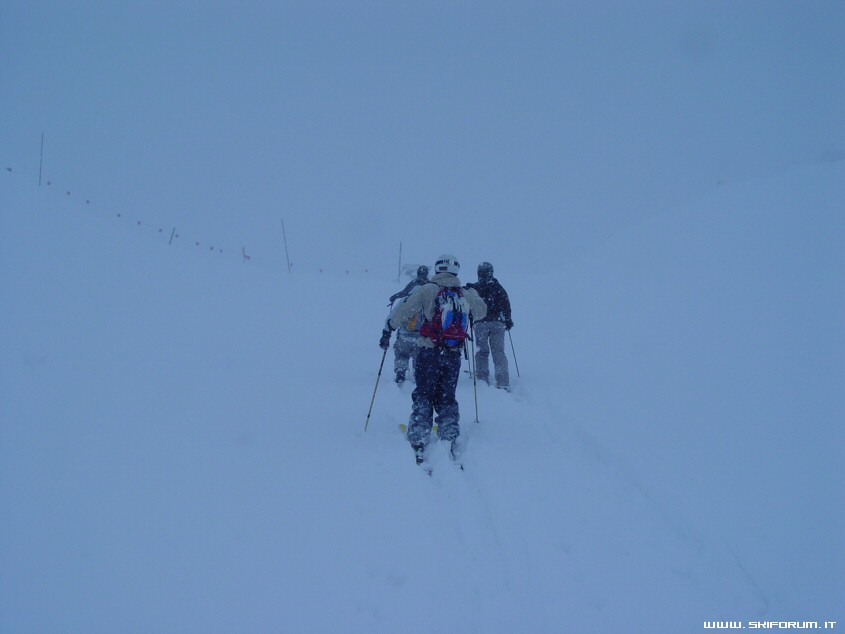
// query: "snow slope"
[[183, 445], [183, 449]]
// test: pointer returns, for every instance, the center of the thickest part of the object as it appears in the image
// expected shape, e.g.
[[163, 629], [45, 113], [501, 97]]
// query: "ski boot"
[[419, 453]]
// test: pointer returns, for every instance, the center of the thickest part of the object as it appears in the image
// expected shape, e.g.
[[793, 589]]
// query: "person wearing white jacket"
[[446, 307]]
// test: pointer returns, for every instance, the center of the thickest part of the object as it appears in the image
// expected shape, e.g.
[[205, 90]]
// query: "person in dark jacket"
[[422, 278], [490, 331]]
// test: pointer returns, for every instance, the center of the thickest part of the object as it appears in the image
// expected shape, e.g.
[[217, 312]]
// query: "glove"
[[508, 324], [384, 342]]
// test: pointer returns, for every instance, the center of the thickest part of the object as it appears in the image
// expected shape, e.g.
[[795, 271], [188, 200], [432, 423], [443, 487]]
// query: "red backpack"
[[448, 326]]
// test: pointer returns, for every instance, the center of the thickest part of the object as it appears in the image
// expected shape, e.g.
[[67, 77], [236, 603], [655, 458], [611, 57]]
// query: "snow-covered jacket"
[[424, 298]]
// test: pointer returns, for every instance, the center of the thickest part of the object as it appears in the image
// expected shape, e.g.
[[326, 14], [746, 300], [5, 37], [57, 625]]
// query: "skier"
[[405, 349], [419, 280], [446, 309], [490, 330]]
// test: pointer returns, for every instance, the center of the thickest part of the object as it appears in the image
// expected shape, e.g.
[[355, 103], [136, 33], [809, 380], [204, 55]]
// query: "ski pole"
[[383, 357], [472, 365], [514, 353]]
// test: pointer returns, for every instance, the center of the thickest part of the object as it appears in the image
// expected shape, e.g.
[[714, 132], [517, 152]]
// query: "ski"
[[404, 428], [428, 468], [456, 451]]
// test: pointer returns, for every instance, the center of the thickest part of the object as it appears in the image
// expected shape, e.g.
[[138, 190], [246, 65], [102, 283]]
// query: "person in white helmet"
[[446, 309]]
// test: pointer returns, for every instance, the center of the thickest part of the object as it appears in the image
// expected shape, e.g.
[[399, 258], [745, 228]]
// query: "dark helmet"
[[485, 271], [422, 272]]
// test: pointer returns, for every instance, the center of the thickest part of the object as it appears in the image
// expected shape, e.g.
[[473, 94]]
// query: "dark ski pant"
[[436, 373], [490, 339]]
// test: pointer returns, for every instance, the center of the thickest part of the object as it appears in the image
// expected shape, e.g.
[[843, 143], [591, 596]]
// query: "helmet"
[[447, 264], [422, 271], [485, 271]]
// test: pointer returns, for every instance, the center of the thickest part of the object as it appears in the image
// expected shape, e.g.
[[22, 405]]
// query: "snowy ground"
[[182, 445]]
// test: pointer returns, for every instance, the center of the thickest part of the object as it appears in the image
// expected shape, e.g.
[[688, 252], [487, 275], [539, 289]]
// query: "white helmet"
[[447, 264]]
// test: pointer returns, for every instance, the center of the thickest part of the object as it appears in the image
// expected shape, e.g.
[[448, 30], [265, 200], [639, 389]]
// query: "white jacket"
[[424, 298]]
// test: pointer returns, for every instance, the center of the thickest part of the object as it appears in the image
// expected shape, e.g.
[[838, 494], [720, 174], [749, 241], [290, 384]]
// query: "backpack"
[[448, 325], [413, 324]]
